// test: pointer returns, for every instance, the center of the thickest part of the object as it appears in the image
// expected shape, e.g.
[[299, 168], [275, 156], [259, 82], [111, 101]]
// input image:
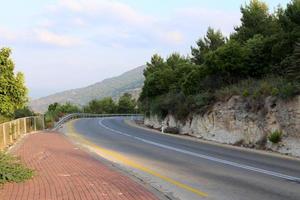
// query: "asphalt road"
[[187, 169]]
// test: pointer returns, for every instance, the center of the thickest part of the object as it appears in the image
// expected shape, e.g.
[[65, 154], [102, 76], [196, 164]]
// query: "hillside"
[[130, 81]]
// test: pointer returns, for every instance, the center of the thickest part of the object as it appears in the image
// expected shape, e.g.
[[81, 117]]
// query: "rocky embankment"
[[242, 121]]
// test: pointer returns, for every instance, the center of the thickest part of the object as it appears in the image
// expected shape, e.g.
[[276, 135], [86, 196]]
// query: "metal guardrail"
[[11, 131], [88, 115]]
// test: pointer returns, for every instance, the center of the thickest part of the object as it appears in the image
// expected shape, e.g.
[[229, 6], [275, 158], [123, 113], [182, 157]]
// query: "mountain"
[[130, 81]]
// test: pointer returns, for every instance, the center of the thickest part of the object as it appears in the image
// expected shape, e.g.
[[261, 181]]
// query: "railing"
[[11, 131], [87, 115]]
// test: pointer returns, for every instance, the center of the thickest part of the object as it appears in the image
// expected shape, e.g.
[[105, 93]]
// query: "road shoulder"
[[199, 140]]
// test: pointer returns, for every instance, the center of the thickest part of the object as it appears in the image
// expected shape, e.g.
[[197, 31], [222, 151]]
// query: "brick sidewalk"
[[65, 172]]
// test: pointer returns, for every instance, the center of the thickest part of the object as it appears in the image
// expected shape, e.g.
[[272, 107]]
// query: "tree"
[[13, 93], [258, 57], [102, 106], [289, 22], [210, 42], [293, 71], [23, 112], [157, 63], [126, 104], [228, 61], [255, 19]]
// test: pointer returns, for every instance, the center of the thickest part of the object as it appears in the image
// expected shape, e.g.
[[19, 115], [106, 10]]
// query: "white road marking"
[[234, 164]]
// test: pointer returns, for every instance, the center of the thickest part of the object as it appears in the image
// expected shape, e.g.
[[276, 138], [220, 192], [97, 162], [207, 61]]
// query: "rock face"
[[243, 121]]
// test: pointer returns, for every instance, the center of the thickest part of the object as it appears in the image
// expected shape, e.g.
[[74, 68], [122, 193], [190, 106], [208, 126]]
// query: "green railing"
[[11, 131]]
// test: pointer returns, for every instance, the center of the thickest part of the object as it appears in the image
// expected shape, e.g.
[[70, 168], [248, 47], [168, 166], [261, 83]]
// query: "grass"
[[275, 136], [269, 86], [11, 170]]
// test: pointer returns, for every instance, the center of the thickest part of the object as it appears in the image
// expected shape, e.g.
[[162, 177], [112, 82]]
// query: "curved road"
[[188, 169]]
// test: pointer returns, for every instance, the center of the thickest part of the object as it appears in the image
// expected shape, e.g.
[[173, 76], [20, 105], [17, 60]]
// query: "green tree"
[[102, 106], [23, 112], [257, 57], [13, 93], [212, 41], [157, 63], [255, 19], [228, 61], [289, 21], [293, 71], [126, 104]]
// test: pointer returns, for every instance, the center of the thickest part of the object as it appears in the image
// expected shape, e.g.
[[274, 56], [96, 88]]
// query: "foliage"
[[275, 136], [103, 106], [56, 111], [255, 19], [126, 104], [258, 88], [23, 112], [257, 60], [4, 119], [13, 93], [212, 41], [11, 170], [293, 71]]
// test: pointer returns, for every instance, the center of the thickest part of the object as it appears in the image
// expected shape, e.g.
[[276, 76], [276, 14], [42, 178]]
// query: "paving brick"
[[66, 172]]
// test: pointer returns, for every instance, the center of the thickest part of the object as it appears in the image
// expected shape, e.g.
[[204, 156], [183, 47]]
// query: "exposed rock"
[[243, 121]]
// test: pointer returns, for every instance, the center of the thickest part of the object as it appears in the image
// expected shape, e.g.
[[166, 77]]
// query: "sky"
[[66, 44]]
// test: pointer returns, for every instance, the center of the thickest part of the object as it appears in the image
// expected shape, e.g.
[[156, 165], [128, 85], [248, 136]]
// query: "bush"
[[275, 136], [288, 90], [23, 112], [255, 88], [11, 170], [4, 119]]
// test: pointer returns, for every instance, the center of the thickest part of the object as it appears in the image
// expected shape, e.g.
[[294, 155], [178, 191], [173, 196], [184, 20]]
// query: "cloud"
[[111, 8], [6, 34], [47, 37], [203, 17], [174, 37]]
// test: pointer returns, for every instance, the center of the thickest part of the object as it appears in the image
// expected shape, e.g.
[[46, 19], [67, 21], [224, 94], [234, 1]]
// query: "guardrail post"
[[34, 123], [10, 134], [25, 128], [43, 121], [19, 127], [15, 129], [4, 135]]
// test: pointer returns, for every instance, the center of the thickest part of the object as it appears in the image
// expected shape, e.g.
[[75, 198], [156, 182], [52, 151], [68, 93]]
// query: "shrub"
[[270, 86], [11, 170], [275, 136], [288, 90], [246, 93]]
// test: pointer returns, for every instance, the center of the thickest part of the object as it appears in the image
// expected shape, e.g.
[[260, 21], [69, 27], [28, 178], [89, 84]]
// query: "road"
[[189, 169]]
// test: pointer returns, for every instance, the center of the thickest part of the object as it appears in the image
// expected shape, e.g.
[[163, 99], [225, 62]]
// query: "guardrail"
[[88, 115], [11, 131]]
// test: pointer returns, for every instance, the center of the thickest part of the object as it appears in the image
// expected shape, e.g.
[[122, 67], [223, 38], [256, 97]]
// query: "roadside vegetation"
[[260, 58], [13, 100], [125, 104], [13, 92], [11, 170], [275, 136]]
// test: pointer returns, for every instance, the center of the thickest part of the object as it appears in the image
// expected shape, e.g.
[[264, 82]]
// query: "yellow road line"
[[130, 163]]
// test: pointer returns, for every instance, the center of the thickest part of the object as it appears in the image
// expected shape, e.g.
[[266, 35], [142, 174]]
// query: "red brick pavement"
[[66, 172]]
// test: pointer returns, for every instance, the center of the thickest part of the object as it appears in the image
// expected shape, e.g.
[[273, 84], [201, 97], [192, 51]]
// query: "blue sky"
[[64, 44]]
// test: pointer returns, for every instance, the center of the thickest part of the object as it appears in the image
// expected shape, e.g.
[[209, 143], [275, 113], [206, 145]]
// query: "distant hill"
[[131, 81]]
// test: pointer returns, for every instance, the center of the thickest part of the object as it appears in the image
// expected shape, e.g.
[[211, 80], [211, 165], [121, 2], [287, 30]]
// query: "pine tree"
[[293, 72]]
